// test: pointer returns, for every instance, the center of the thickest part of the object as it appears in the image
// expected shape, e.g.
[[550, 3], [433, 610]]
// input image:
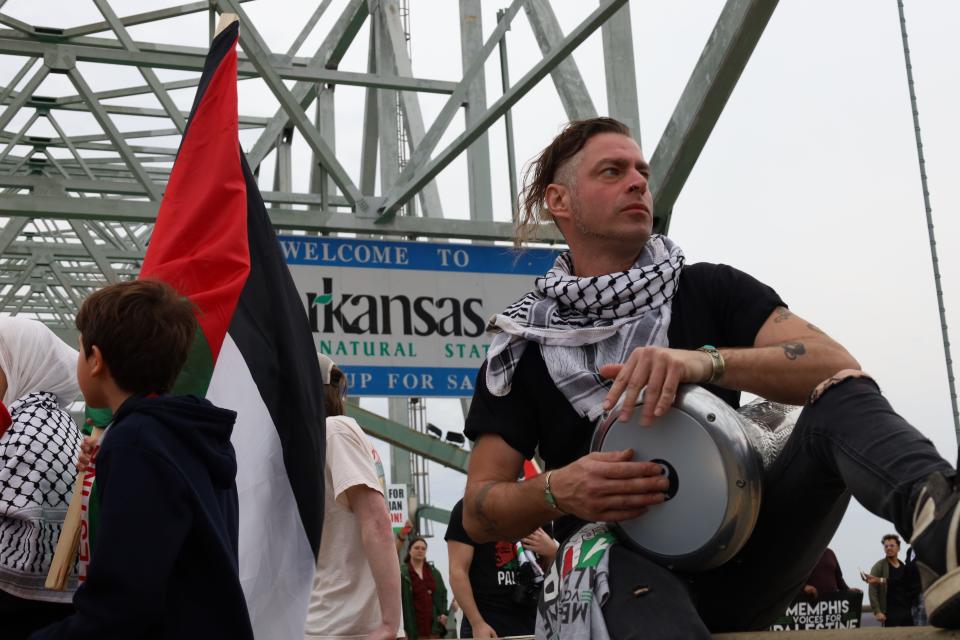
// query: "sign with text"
[[407, 318], [837, 610], [397, 506]]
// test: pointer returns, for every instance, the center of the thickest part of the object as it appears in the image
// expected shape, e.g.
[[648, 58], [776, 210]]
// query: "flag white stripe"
[[276, 563]]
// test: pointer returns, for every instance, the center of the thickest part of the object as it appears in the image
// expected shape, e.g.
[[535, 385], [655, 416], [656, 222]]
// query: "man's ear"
[[557, 200]]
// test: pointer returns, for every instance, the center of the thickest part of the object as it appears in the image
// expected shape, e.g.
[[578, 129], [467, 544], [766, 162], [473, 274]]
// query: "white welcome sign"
[[407, 318]]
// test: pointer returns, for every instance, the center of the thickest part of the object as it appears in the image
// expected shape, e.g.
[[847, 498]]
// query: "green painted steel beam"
[[734, 37], [424, 173], [149, 55], [437, 514], [246, 122], [64, 208], [329, 55], [403, 436], [253, 43], [141, 18], [48, 185], [567, 80], [422, 153]]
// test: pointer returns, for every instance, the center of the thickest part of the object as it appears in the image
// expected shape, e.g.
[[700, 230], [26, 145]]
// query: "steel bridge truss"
[[77, 209]]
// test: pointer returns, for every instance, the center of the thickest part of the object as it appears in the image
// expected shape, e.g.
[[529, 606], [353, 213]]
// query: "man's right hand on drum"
[[661, 370], [600, 486], [608, 486]]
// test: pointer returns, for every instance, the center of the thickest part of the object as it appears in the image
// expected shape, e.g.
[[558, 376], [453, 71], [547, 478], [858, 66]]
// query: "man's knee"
[[834, 380], [648, 601]]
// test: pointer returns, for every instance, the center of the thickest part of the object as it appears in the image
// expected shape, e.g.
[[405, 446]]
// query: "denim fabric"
[[848, 442]]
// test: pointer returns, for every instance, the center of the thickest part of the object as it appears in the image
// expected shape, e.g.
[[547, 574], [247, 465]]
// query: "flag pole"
[[67, 545], [69, 541], [226, 19]]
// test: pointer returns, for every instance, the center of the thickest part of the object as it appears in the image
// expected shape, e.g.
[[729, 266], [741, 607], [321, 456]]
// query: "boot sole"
[[942, 601]]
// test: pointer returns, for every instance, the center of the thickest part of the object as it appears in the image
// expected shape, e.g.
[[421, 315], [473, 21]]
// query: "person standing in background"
[[890, 590], [424, 594], [356, 590], [485, 579], [38, 444], [826, 577]]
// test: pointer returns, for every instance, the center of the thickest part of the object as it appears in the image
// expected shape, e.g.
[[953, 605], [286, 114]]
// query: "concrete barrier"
[[894, 633], [898, 633]]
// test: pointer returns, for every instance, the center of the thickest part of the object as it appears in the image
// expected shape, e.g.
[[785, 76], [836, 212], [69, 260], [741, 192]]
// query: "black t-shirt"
[[715, 304], [900, 596], [494, 572]]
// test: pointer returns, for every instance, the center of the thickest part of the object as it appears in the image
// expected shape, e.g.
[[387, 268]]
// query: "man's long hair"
[[542, 171]]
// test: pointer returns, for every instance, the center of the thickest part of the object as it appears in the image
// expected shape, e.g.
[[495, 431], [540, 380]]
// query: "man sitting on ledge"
[[621, 306]]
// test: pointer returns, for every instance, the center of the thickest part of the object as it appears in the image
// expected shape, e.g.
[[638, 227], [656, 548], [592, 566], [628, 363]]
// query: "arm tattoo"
[[793, 350], [814, 327], [489, 524], [782, 314]]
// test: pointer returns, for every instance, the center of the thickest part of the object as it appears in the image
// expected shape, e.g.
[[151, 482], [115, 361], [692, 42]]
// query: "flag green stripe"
[[194, 378]]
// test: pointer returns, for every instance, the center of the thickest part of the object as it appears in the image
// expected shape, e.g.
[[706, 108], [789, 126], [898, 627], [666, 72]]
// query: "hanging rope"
[[930, 231]]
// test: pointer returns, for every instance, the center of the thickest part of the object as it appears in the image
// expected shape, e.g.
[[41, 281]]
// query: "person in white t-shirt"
[[356, 590]]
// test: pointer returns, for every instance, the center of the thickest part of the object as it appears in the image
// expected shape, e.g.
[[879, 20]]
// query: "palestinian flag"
[[254, 353], [530, 469]]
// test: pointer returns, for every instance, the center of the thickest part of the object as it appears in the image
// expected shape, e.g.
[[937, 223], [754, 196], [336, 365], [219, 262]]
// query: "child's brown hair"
[[144, 330]]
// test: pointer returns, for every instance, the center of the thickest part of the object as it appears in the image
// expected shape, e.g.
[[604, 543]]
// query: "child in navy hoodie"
[[163, 549]]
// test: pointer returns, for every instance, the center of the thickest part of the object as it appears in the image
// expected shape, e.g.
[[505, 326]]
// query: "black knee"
[[839, 380]]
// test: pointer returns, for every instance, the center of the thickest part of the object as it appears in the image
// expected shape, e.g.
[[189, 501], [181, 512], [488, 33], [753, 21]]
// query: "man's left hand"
[[661, 370]]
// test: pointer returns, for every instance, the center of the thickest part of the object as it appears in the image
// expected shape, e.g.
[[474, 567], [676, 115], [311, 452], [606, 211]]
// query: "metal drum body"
[[715, 476]]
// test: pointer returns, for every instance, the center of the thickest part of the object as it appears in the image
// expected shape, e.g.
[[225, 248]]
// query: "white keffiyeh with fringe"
[[582, 324]]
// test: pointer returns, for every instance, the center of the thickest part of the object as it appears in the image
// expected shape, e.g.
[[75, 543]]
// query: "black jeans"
[[849, 442], [899, 617]]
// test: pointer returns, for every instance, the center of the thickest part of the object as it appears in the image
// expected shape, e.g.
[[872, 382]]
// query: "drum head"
[[698, 481], [714, 492]]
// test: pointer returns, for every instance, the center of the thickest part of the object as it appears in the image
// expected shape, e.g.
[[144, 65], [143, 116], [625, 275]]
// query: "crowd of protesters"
[[163, 481], [361, 589], [895, 591]]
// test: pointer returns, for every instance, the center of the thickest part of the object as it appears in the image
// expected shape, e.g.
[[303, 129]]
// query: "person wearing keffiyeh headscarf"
[[37, 471], [623, 312]]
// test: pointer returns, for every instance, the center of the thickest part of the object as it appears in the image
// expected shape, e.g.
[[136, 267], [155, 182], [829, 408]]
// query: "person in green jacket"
[[424, 594], [891, 590]]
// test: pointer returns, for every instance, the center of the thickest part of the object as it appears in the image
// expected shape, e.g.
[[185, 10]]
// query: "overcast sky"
[[809, 180]]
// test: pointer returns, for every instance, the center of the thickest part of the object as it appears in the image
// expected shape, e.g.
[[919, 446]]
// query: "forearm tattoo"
[[782, 314], [489, 524], [814, 327], [793, 350]]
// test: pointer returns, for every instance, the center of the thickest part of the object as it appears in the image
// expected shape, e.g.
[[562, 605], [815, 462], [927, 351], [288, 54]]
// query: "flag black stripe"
[[271, 331]]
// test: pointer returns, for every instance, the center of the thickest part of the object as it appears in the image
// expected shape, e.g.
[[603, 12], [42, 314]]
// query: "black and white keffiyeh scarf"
[[582, 324]]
